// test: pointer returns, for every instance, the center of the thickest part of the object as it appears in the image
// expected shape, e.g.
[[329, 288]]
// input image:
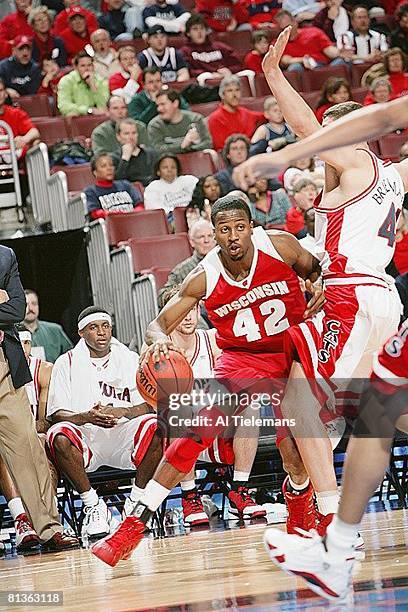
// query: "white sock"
[[136, 493], [188, 485], [328, 502], [241, 476], [154, 495], [89, 498], [16, 507], [299, 487], [341, 535]]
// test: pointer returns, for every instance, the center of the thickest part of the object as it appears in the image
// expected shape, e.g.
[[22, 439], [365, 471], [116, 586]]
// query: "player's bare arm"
[[305, 265], [191, 292], [44, 377]]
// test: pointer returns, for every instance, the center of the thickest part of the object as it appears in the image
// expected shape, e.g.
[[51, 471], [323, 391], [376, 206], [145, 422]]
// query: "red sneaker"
[[302, 512], [26, 537], [242, 504], [193, 509], [323, 521], [121, 543]]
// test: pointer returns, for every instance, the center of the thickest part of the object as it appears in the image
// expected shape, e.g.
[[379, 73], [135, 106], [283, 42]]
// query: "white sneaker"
[[97, 520], [308, 558], [128, 508]]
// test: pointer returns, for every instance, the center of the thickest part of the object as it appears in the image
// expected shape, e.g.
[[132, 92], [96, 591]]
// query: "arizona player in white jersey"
[[355, 232], [201, 351], [37, 391]]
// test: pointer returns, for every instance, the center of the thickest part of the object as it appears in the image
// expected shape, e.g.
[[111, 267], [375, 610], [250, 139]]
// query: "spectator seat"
[[357, 71], [160, 276], [206, 108], [239, 40], [79, 176], [139, 224], [313, 80], [374, 147], [198, 163], [255, 104], [262, 87], [180, 220], [358, 94], [390, 145], [52, 129], [311, 97], [85, 124], [37, 105], [160, 251]]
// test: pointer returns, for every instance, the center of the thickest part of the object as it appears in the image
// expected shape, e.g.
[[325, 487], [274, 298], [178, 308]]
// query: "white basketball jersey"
[[33, 387], [356, 240], [202, 362]]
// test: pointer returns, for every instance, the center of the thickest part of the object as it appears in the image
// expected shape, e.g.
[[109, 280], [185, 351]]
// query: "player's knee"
[[183, 453], [156, 445], [62, 445]]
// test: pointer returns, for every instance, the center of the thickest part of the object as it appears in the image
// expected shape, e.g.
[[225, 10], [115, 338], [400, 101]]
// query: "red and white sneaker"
[[326, 574], [193, 509], [242, 504], [26, 537], [121, 543], [324, 520], [302, 512]]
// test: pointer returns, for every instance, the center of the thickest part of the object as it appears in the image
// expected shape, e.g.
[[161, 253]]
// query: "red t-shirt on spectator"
[[262, 11], [74, 43], [5, 49], [253, 61], [119, 81], [14, 24], [222, 123], [219, 13], [20, 124], [399, 83], [401, 255], [309, 41], [319, 112], [61, 22], [294, 221]]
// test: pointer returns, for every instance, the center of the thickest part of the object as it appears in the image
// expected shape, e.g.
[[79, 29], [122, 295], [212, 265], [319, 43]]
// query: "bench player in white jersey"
[[99, 417], [37, 391], [201, 351], [355, 233]]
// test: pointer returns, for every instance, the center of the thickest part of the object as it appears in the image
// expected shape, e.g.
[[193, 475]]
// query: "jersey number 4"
[[275, 322], [387, 230]]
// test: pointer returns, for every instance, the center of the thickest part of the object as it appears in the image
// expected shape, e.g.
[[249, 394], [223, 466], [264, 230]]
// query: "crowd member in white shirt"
[[172, 188], [105, 56], [360, 44], [99, 416]]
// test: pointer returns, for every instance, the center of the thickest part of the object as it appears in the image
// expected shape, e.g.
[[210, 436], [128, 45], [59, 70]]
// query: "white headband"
[[95, 316], [25, 336]]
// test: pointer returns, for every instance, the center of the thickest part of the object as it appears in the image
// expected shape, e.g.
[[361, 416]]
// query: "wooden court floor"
[[211, 570]]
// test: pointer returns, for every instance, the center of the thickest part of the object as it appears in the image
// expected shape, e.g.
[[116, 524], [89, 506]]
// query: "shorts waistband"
[[357, 280]]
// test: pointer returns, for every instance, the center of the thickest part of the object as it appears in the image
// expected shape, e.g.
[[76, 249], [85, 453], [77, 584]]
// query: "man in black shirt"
[[135, 162], [20, 73]]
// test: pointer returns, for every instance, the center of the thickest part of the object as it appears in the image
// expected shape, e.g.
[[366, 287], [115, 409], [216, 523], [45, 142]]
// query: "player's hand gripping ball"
[[157, 381]]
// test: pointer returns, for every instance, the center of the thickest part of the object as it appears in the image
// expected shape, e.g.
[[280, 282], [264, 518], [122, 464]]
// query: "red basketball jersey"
[[253, 314]]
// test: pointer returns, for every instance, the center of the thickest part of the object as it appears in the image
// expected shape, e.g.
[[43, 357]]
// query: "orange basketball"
[[156, 381]]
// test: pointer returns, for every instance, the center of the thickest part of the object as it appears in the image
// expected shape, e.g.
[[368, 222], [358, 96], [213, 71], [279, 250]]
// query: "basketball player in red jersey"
[[356, 218], [250, 287]]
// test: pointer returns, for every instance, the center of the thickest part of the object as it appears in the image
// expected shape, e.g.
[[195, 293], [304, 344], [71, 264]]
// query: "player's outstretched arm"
[[191, 292], [297, 113], [364, 124]]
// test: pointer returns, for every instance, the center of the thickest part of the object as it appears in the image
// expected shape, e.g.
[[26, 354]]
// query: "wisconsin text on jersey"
[[251, 296]]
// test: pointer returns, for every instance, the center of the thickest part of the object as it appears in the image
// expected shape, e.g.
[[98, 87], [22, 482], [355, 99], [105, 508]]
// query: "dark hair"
[[235, 200], [96, 158], [167, 156], [395, 51], [150, 70], [197, 199], [332, 86], [230, 140], [195, 19], [91, 310], [125, 49], [339, 110], [258, 35], [172, 95], [81, 55], [403, 10]]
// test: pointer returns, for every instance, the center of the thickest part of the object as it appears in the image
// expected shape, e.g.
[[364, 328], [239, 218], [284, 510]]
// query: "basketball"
[[156, 381]]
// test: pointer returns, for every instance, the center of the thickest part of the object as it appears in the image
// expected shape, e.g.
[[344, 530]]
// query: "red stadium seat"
[[313, 80], [151, 253], [255, 104], [198, 163], [36, 106], [180, 220], [180, 85], [374, 147], [294, 79], [311, 97], [206, 108], [358, 94], [357, 71], [52, 129], [144, 224], [138, 44], [160, 276], [261, 86], [178, 41], [239, 39], [85, 125], [390, 145], [78, 176]]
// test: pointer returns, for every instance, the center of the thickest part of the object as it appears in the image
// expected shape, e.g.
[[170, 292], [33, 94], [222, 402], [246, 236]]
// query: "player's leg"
[[70, 449], [193, 510], [26, 536], [245, 447]]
